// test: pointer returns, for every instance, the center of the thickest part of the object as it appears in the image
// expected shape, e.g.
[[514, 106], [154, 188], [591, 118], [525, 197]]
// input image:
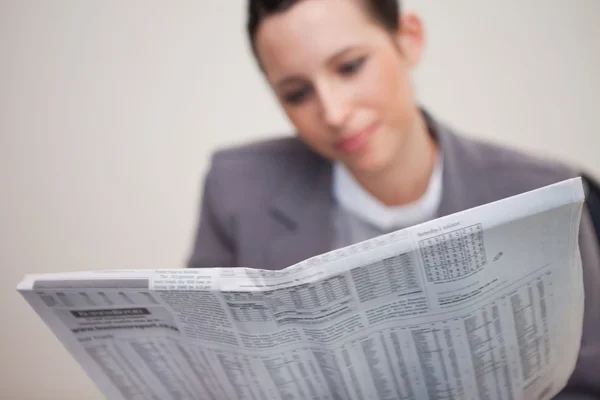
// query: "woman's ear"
[[411, 37]]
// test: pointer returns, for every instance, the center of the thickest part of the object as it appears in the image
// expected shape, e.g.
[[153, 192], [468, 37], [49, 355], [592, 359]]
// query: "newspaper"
[[482, 304]]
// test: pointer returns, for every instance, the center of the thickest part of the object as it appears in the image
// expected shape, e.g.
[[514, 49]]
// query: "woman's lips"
[[357, 141]]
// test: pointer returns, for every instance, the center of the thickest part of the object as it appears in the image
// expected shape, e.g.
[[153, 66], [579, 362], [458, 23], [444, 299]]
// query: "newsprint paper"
[[482, 304]]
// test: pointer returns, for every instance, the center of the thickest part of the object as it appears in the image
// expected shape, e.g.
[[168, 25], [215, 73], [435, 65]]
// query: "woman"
[[367, 159]]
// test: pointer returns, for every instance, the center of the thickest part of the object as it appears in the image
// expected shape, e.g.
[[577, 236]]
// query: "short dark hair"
[[386, 12]]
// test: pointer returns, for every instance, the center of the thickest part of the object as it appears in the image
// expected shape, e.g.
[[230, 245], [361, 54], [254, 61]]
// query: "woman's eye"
[[297, 96], [352, 67]]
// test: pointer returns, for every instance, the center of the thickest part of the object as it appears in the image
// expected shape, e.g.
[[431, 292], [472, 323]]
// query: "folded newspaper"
[[483, 304]]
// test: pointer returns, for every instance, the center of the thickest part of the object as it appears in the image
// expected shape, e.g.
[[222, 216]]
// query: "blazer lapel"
[[463, 184], [302, 214]]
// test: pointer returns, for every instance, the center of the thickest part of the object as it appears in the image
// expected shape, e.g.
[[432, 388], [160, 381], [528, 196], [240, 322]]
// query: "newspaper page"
[[482, 304]]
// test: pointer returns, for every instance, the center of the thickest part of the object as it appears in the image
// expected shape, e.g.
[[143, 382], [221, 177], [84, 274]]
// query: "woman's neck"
[[407, 179]]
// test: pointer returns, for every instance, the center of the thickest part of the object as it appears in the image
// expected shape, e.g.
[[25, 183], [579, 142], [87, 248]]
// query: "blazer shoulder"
[[513, 171], [265, 158], [261, 150], [246, 176]]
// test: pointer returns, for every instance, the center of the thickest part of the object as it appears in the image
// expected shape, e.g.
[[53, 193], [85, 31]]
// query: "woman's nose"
[[334, 107]]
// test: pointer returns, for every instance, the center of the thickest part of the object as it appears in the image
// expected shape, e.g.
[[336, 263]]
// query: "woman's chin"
[[367, 164]]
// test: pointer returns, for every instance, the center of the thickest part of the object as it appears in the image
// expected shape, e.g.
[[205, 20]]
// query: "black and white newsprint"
[[483, 304]]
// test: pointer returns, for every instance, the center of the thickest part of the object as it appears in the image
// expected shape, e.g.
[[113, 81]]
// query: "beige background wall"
[[110, 109]]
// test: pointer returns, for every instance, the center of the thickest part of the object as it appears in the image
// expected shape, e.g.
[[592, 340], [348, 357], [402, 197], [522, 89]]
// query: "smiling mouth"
[[357, 141]]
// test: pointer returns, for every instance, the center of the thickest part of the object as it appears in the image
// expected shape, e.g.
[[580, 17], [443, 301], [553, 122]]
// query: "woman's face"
[[343, 79]]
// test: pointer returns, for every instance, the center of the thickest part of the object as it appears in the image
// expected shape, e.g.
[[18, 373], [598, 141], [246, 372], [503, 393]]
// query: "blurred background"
[[109, 111]]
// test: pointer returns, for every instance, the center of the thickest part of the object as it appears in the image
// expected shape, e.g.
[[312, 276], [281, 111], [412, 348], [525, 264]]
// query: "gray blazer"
[[268, 205]]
